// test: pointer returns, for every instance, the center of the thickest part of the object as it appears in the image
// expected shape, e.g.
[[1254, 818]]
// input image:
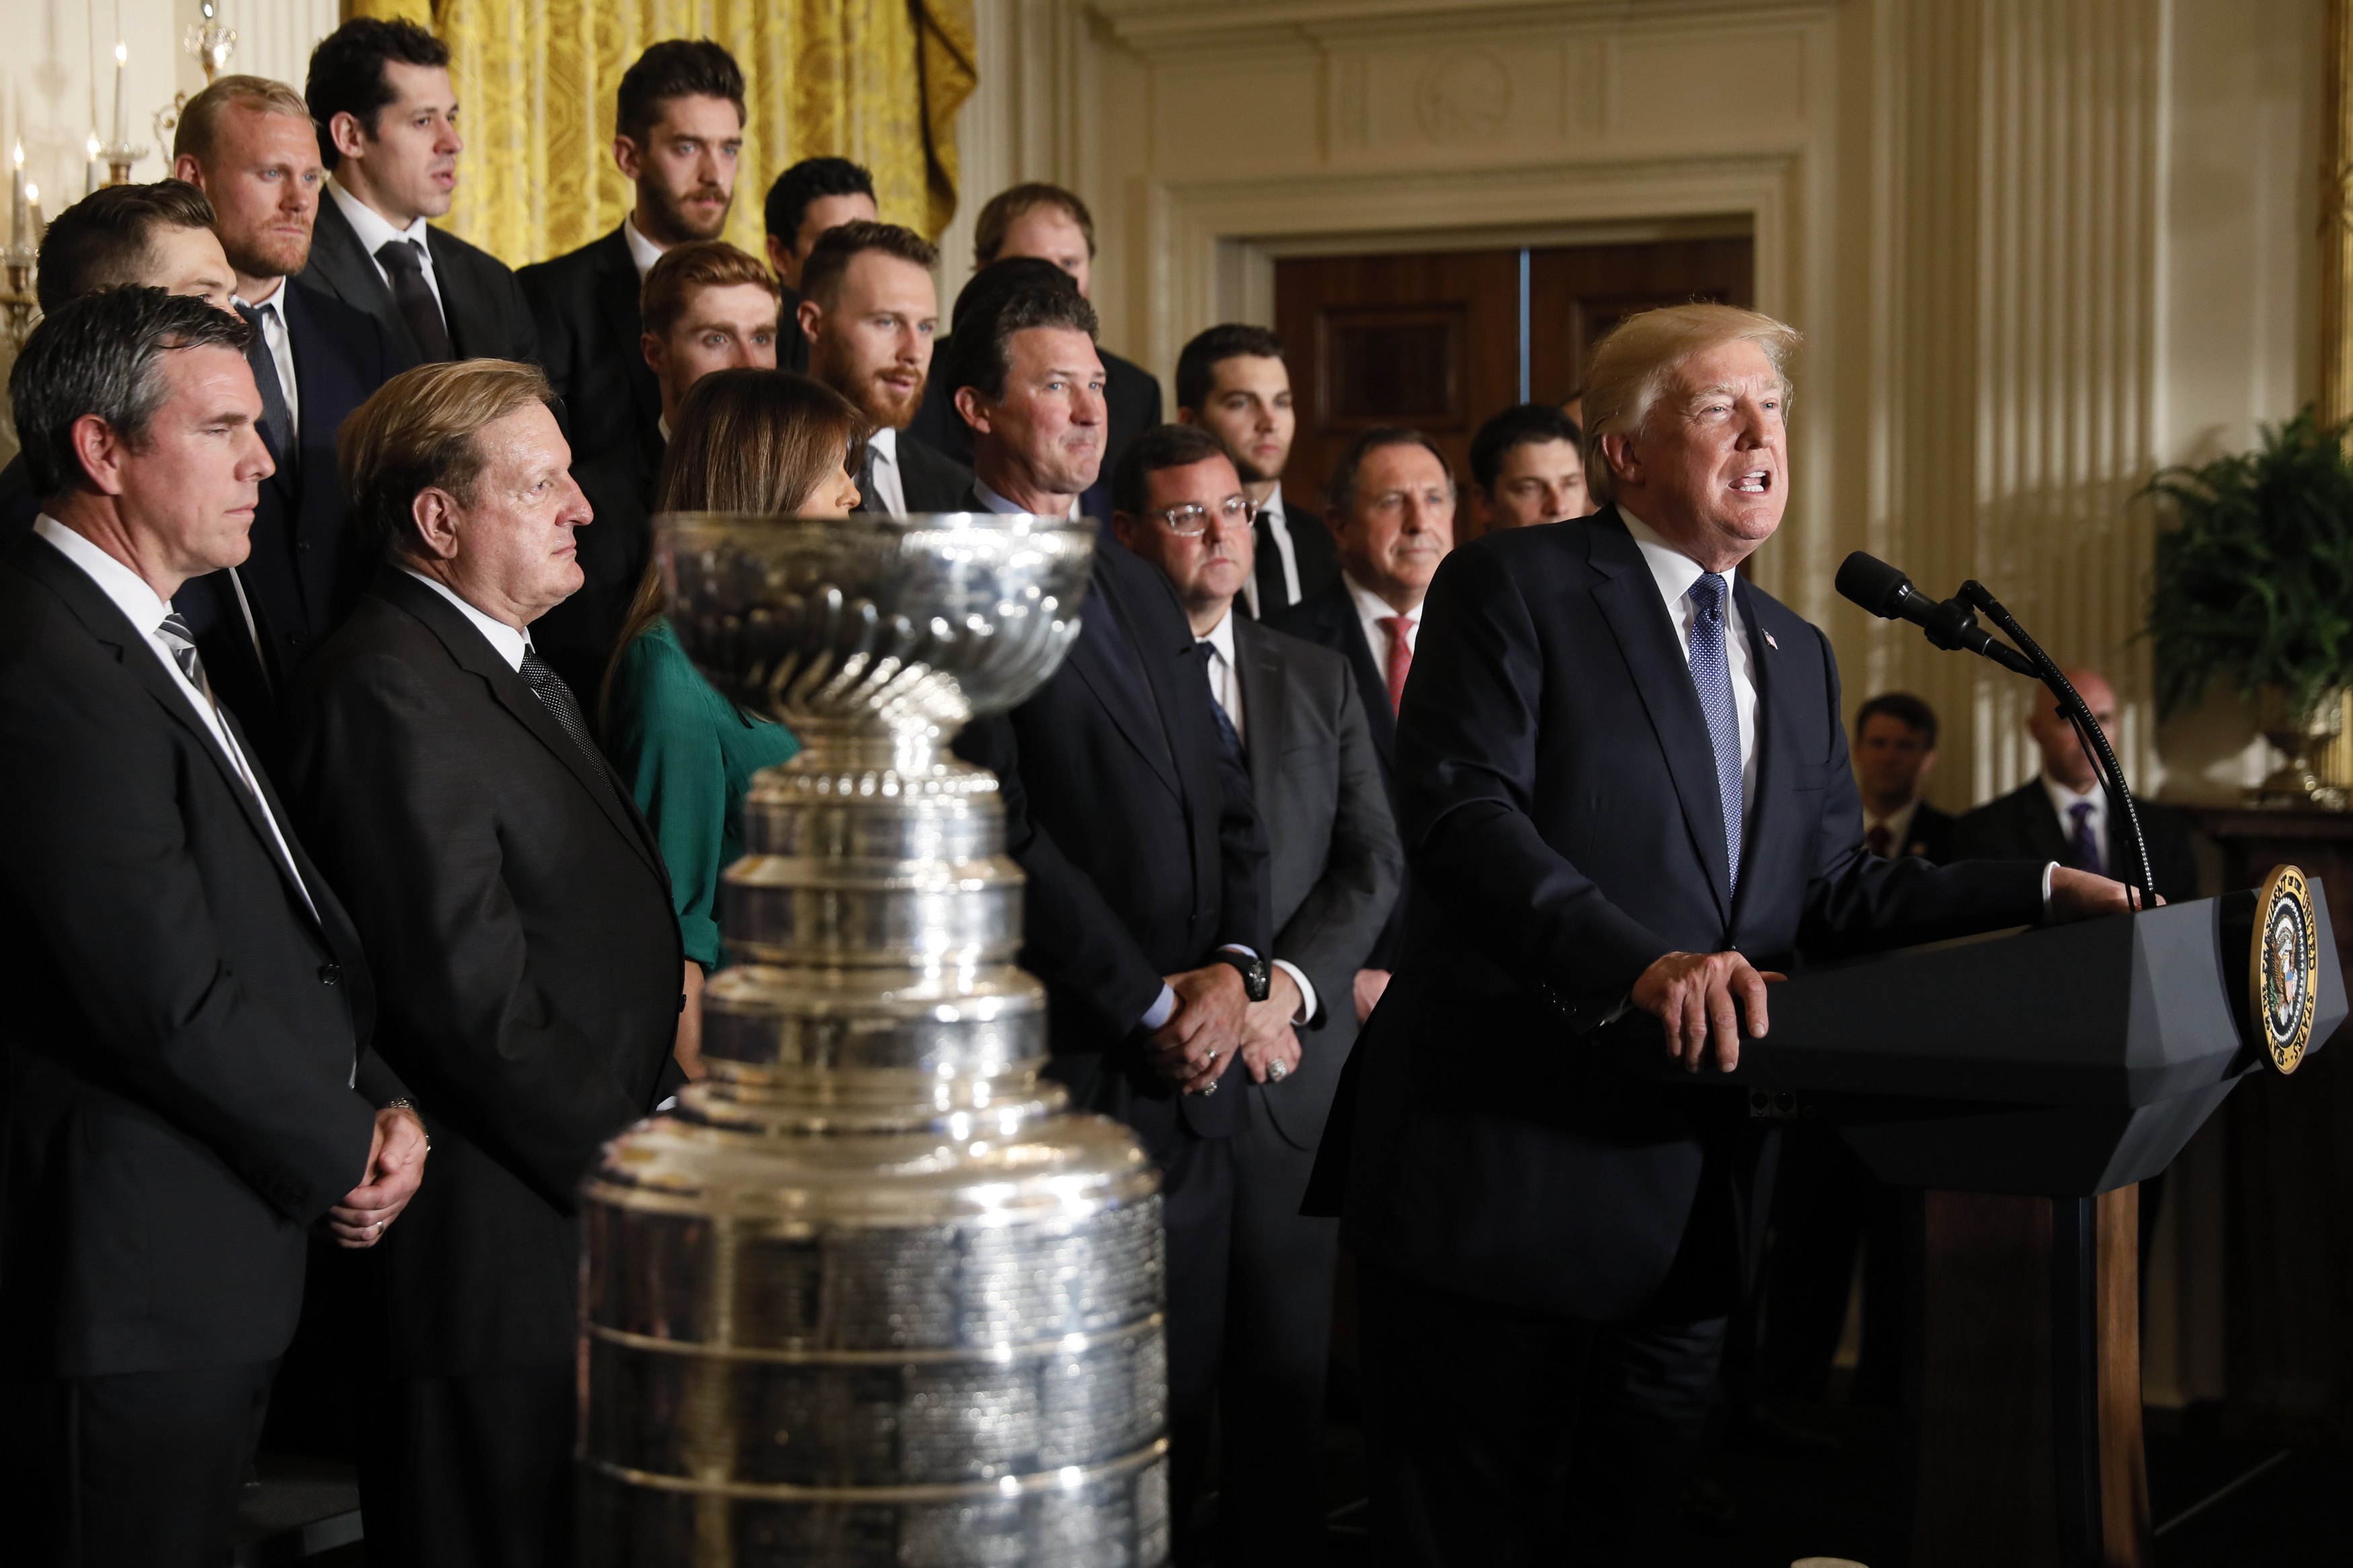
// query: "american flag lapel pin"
[[1771, 644]]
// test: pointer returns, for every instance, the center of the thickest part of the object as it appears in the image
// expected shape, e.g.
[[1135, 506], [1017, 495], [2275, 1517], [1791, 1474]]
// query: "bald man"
[[2063, 814]]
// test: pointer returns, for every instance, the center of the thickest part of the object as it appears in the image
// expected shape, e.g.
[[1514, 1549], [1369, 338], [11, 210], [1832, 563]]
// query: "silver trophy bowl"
[[870, 1294]]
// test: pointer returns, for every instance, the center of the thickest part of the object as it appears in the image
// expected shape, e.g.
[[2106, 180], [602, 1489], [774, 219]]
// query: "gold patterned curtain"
[[876, 81]]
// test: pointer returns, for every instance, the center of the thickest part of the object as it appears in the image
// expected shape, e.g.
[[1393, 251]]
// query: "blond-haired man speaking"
[[1624, 786]]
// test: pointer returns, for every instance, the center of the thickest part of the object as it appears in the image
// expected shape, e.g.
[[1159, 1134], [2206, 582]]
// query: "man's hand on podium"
[[1692, 994], [2087, 896]]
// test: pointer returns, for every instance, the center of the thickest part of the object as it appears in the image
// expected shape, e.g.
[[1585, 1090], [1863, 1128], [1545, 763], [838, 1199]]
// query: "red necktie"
[[1878, 840], [1400, 656]]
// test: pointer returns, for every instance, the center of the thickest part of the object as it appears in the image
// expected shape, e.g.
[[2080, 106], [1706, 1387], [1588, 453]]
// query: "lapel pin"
[[1771, 644]]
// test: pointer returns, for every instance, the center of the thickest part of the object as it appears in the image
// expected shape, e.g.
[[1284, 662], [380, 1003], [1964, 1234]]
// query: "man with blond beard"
[[870, 314]]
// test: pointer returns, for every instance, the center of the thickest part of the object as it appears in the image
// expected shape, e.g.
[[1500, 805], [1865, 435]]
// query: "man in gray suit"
[[1291, 709]]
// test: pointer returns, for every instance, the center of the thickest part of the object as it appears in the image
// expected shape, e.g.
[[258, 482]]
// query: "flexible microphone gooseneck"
[[1952, 624]]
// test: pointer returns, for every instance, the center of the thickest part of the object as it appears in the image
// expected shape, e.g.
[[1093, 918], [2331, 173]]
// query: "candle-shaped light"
[[94, 172], [20, 217], [122, 99], [33, 214]]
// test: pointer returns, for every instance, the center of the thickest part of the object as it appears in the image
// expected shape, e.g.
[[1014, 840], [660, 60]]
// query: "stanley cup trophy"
[[870, 1294]]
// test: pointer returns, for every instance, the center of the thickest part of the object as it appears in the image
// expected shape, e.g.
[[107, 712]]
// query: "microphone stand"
[[2088, 734]]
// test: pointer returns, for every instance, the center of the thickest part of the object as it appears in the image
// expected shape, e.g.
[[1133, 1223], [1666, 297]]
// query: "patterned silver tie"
[[1713, 676], [564, 708], [183, 643]]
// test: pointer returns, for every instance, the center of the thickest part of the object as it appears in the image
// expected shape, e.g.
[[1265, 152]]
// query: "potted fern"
[[2254, 581]]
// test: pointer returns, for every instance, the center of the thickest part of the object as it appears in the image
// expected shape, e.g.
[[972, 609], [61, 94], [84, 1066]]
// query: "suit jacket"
[[578, 636], [933, 481], [584, 305], [20, 507], [485, 311], [1328, 619], [2022, 826], [1562, 820], [520, 920], [1132, 394], [179, 1046], [792, 344], [1310, 546], [1931, 836], [1334, 863], [1139, 837], [306, 570]]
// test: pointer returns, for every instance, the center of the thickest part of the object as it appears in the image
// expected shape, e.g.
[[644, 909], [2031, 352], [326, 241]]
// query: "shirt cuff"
[[1163, 1007], [1238, 947], [2048, 866], [1306, 990]]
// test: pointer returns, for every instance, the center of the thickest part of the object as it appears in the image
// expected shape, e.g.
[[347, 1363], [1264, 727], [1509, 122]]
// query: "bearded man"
[[870, 314]]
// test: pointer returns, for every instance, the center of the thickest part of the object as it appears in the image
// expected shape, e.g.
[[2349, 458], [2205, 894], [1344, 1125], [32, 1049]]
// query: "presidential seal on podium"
[[2284, 979]]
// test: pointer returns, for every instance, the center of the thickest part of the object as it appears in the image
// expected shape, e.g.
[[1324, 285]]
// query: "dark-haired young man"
[[1527, 467], [187, 1082], [678, 133], [868, 314], [387, 117], [1232, 381], [812, 196], [158, 237], [1895, 748], [1147, 915]]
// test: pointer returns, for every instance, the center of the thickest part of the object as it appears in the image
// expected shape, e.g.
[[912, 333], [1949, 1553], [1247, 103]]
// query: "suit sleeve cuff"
[[1306, 991]]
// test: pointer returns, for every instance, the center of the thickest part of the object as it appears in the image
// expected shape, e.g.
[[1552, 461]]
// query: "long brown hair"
[[747, 440]]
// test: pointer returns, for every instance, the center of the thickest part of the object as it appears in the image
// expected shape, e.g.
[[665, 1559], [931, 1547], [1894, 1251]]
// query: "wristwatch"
[[1255, 977]]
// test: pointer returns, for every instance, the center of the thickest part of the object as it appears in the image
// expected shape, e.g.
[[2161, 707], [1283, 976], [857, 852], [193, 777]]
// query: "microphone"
[[1888, 594]]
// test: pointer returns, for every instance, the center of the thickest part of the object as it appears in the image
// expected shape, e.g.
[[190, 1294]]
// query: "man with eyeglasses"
[[1288, 710]]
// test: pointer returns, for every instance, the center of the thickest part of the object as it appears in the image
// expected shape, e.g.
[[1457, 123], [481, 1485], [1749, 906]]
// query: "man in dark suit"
[[186, 1086], [157, 237], [516, 910], [2062, 812], [1052, 225], [709, 306], [678, 133], [1527, 467], [1232, 381], [1895, 750], [1147, 915], [1392, 518], [1626, 794], [808, 201], [1334, 864], [869, 313], [379, 92], [248, 143]]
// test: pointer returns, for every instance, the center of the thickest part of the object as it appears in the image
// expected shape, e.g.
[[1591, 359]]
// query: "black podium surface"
[[2065, 1061]]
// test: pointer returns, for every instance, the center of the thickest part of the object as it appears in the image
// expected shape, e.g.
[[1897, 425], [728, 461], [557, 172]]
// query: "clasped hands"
[[396, 1165], [1699, 998], [1214, 1018]]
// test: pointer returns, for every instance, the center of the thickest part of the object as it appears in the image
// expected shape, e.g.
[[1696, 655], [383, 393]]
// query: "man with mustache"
[[248, 143], [1390, 507], [379, 93], [869, 312], [678, 134]]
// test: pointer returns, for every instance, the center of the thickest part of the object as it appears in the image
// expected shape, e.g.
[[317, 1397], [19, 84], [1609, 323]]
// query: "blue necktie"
[[1713, 676], [1227, 734], [2081, 847]]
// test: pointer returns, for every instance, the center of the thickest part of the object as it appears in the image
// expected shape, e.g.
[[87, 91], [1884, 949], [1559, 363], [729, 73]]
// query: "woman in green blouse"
[[747, 440]]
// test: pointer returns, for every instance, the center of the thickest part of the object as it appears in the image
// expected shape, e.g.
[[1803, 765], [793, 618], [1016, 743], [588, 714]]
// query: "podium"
[[2028, 1081]]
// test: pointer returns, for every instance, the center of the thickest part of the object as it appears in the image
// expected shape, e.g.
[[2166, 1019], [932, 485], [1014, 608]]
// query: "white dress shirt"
[[375, 230], [1371, 611], [889, 496], [1278, 527], [1674, 573], [643, 252], [2064, 800], [138, 605], [510, 644], [270, 309]]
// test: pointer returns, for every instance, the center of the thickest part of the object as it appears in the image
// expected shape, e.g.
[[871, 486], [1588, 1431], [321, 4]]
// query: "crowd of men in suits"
[[325, 910]]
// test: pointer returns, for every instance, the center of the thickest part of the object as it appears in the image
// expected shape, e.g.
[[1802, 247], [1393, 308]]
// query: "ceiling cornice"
[[1149, 26]]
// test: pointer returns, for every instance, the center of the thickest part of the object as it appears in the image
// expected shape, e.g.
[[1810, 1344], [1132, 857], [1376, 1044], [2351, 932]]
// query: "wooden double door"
[[1441, 340]]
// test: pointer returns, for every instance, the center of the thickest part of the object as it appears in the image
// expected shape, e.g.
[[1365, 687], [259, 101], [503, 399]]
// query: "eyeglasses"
[[1192, 519]]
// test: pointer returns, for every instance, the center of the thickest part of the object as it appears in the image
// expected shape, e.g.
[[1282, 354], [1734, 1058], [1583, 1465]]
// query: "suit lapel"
[[1774, 745], [349, 273], [1098, 666], [617, 291], [471, 331], [1260, 673], [473, 653], [1335, 613], [105, 622], [1627, 598]]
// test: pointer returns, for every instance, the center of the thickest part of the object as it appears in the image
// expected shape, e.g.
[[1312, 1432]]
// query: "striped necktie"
[[183, 643]]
